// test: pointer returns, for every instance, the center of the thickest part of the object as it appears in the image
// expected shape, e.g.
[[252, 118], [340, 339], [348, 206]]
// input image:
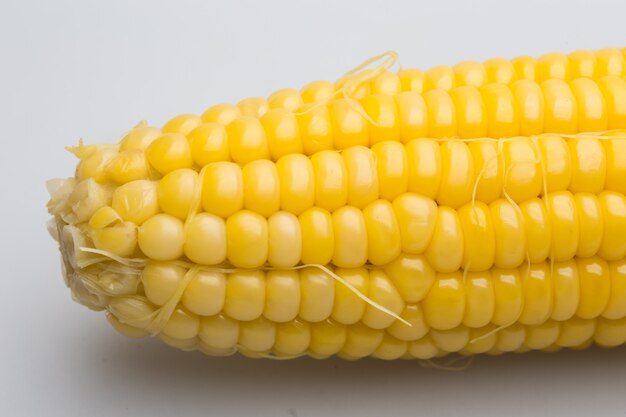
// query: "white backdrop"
[[91, 69]]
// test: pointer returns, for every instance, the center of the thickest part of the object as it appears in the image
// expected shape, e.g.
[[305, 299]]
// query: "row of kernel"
[[219, 334], [583, 288], [476, 236]]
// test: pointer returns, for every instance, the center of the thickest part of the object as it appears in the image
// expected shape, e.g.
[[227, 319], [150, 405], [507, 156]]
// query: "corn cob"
[[393, 246]]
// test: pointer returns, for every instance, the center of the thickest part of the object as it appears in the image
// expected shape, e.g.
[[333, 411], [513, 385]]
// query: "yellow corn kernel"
[[591, 105], [362, 180], [350, 237], [445, 251], [480, 299], [317, 292], [246, 239], [423, 348], [292, 338], [221, 113], [489, 170], [169, 152], [439, 78], [595, 287], [416, 217], [553, 66], [177, 192], [610, 61], [257, 335], [591, 224], [286, 98], [205, 239], [128, 166], [247, 140], [563, 218], [161, 280], [361, 340], [382, 291], [507, 287], [543, 335], [425, 167], [205, 293], [183, 123], [525, 67], [582, 64], [411, 275], [616, 307], [556, 162], [481, 340], [348, 124], [478, 236], [208, 143], [162, 237], [331, 180], [219, 331], [537, 228], [222, 189], [511, 338], [282, 299], [315, 128], [614, 92], [317, 91], [109, 233], [444, 305], [414, 315], [529, 103], [387, 83], [95, 165], [510, 234], [285, 240], [561, 110], [327, 337], [470, 73], [470, 112], [523, 179], [382, 110], [136, 201], [412, 79], [139, 138], [412, 115], [245, 294], [283, 133], [588, 165], [390, 348], [261, 192], [391, 166], [441, 114], [451, 340], [613, 207], [348, 308], [566, 288], [297, 188], [500, 112], [499, 71], [457, 174], [383, 232], [182, 325], [537, 294], [253, 106], [316, 227], [575, 332], [610, 332]]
